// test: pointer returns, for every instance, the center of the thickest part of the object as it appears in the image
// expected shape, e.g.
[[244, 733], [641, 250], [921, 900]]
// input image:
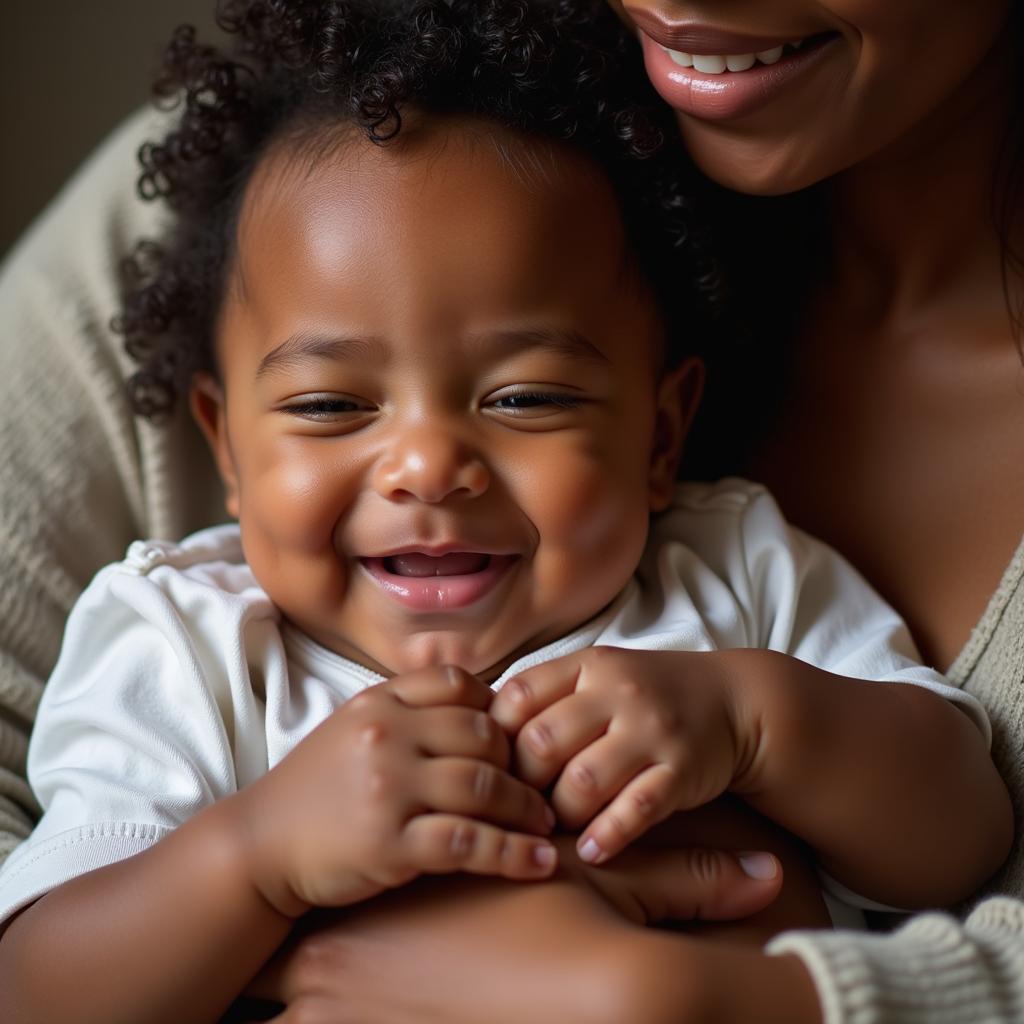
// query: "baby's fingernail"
[[515, 690], [545, 856], [589, 851], [549, 816], [760, 866]]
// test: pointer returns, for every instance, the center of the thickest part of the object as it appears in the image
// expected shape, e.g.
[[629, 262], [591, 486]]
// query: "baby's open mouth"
[[455, 563], [438, 583]]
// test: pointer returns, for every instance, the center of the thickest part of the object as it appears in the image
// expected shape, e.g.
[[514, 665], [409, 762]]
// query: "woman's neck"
[[914, 227]]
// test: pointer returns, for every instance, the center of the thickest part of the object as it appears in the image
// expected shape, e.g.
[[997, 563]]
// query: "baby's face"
[[443, 425]]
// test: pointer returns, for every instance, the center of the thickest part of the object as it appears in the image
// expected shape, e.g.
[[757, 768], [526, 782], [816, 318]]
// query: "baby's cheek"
[[288, 516], [297, 503], [596, 526]]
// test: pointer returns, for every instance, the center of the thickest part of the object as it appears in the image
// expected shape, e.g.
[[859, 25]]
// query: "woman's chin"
[[751, 167]]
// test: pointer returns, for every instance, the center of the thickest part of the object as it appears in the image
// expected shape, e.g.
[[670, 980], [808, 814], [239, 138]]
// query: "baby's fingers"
[[441, 843], [530, 692], [438, 685], [461, 732], [645, 801], [478, 789]]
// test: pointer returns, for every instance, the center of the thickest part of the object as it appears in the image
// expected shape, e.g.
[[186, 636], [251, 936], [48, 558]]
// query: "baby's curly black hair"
[[560, 69]]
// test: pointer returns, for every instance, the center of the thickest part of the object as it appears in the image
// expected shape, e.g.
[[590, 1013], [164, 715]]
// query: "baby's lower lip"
[[433, 593]]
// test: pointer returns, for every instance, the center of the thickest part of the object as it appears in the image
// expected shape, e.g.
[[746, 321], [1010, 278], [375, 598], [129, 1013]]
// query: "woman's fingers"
[[441, 843], [693, 883]]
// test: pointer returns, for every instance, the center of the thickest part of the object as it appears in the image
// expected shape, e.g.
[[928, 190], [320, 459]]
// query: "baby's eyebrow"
[[305, 345], [569, 343]]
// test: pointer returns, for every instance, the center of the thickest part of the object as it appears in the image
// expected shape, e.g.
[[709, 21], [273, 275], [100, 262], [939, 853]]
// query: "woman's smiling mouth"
[[430, 583], [719, 75]]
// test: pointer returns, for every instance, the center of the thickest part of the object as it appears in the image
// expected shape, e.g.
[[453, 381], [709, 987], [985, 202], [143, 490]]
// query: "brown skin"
[[907, 380], [585, 923], [400, 781], [419, 439], [907, 368], [858, 103], [414, 441], [781, 734], [412, 438]]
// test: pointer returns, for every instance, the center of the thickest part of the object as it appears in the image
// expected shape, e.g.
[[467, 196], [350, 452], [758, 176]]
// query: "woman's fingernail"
[[589, 851], [761, 866], [544, 856]]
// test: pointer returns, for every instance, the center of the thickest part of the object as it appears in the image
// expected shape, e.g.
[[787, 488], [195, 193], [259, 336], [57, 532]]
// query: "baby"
[[427, 292]]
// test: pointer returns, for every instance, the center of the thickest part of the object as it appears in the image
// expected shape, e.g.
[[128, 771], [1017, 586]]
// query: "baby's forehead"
[[454, 223], [506, 210], [455, 162]]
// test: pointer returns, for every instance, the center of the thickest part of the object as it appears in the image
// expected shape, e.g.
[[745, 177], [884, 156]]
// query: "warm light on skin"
[[424, 282], [897, 71]]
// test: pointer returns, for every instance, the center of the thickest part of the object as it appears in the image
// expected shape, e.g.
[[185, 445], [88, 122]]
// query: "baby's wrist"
[[763, 698], [243, 828]]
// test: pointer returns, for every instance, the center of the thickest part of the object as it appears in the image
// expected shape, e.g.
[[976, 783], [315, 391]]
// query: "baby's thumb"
[[698, 884]]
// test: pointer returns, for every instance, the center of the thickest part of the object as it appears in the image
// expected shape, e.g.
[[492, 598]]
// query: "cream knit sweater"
[[80, 478]]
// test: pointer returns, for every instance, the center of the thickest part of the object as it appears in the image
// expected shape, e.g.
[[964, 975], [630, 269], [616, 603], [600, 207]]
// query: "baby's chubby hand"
[[408, 777], [629, 736]]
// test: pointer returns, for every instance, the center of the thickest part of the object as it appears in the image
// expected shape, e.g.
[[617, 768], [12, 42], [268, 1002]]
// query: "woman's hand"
[[461, 950], [452, 950], [695, 873]]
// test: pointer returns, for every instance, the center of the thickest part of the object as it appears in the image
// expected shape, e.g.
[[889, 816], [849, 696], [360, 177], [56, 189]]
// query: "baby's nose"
[[430, 465]]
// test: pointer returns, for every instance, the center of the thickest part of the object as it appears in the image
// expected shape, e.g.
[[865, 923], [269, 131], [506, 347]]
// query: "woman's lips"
[[729, 94], [428, 583], [694, 37]]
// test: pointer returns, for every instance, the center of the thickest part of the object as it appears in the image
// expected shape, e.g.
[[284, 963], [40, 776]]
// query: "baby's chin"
[[486, 667], [426, 651], [486, 656]]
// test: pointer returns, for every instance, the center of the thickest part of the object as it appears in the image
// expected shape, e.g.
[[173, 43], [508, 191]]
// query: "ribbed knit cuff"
[[934, 970]]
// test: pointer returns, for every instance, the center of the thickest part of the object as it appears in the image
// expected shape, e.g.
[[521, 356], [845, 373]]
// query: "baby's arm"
[[890, 785], [170, 934], [401, 780]]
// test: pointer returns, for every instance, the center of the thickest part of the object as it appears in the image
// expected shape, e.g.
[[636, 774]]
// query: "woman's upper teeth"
[[717, 64]]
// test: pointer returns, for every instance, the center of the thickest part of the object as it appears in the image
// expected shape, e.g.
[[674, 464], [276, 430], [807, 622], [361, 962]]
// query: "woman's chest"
[[912, 465]]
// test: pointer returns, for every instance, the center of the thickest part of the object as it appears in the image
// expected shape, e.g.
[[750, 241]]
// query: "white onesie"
[[178, 681]]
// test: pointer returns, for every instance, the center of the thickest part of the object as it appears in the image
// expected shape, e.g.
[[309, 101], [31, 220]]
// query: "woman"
[[904, 361]]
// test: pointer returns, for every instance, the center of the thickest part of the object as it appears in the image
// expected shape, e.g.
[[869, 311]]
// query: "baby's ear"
[[678, 397], [206, 400]]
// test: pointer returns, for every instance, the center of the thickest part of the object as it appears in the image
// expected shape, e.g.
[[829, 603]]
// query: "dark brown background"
[[69, 71]]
